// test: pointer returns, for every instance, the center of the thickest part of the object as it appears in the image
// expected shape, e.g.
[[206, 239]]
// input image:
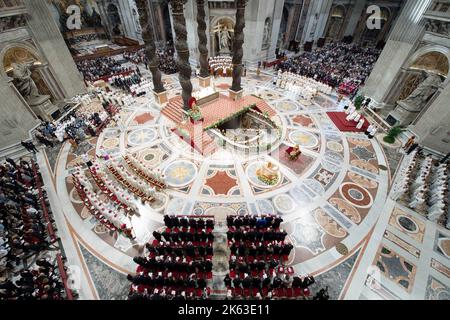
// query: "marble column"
[[181, 45], [402, 42], [238, 51], [150, 51], [202, 44]]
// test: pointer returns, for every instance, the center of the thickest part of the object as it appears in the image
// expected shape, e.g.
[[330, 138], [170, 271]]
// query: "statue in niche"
[[266, 37], [96, 20], [225, 38], [422, 94], [24, 82]]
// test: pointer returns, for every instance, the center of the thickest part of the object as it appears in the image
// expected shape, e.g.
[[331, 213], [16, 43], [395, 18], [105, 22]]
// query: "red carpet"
[[339, 120]]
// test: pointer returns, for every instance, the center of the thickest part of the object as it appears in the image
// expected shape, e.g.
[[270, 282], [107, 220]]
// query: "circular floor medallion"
[[141, 136], [304, 139], [284, 203], [180, 173], [356, 195]]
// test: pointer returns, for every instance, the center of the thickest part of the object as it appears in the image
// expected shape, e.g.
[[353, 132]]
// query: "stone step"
[[14, 152]]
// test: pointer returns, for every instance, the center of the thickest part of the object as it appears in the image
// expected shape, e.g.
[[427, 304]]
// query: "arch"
[[335, 21], [230, 22], [215, 20], [114, 18], [21, 48], [24, 52], [267, 33], [431, 58]]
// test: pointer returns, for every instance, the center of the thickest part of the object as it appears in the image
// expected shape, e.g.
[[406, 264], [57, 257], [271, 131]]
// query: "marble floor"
[[334, 201]]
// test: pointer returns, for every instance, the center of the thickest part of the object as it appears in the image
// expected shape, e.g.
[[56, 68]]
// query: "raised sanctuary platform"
[[215, 112], [339, 119]]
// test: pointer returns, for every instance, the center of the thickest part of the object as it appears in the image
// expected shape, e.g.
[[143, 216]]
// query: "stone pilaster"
[[150, 47], [431, 126], [401, 44], [181, 45]]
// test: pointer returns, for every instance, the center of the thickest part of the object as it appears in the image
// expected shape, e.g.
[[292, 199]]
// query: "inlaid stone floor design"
[[436, 290], [326, 197], [109, 284], [336, 278], [395, 267]]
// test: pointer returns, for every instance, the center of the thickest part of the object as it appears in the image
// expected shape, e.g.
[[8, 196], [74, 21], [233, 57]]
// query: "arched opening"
[[373, 34], [22, 56], [429, 63], [222, 35], [267, 33], [283, 27], [114, 19], [335, 22]]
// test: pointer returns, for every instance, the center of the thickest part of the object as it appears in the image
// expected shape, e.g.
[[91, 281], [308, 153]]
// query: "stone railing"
[[373, 117]]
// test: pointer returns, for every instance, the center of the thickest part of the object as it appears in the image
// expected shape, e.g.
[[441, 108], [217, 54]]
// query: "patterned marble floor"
[[333, 201]]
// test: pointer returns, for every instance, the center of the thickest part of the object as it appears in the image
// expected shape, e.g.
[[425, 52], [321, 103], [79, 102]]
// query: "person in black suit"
[[237, 282]]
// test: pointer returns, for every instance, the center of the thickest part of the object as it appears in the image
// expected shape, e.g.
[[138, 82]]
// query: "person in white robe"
[[360, 124]]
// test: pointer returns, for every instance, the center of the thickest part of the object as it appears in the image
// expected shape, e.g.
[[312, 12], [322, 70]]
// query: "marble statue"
[[418, 98], [266, 37], [225, 38], [24, 82]]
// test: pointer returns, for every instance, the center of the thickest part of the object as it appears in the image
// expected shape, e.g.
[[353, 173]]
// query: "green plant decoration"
[[393, 134], [358, 102]]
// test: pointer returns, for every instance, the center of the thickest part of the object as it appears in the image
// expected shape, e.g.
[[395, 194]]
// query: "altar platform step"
[[174, 109]]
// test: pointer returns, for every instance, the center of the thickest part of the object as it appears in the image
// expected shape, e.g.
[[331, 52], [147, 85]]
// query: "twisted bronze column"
[[150, 47], [185, 71], [238, 52], [202, 40]]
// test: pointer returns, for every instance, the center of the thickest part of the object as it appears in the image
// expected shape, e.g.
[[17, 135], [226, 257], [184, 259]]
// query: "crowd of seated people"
[[424, 187], [335, 63], [221, 66], [132, 84], [114, 212], [94, 69], [179, 262], [125, 82], [21, 215], [26, 231], [40, 282], [167, 63], [87, 38], [258, 250], [76, 126]]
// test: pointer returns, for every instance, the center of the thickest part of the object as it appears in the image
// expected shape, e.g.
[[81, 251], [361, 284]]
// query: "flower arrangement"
[[195, 115], [270, 182]]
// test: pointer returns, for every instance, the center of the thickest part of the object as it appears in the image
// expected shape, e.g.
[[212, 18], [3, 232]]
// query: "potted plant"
[[358, 102], [393, 134]]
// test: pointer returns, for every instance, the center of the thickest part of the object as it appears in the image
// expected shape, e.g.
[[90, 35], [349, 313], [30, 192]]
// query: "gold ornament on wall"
[[432, 62]]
